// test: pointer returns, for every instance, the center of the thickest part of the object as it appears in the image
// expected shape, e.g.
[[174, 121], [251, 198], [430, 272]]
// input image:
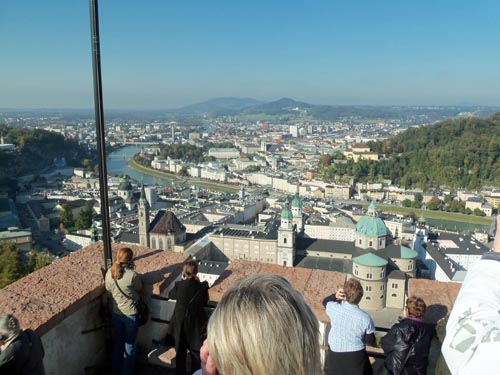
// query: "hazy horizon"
[[167, 55]]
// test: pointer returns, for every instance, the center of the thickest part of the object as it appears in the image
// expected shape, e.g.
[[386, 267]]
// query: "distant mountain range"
[[218, 105], [288, 106]]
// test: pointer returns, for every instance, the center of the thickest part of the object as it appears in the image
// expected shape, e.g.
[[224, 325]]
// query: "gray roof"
[[211, 267], [327, 264]]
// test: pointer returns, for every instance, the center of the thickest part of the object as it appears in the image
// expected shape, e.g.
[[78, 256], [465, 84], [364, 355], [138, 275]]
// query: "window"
[[410, 267], [368, 298], [394, 286], [382, 274], [382, 287], [369, 276], [153, 243], [160, 243], [381, 296], [359, 241], [368, 288], [284, 240], [356, 272], [370, 244], [394, 295]]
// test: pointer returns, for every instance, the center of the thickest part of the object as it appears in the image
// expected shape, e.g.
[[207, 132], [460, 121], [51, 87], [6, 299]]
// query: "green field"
[[439, 215], [139, 168]]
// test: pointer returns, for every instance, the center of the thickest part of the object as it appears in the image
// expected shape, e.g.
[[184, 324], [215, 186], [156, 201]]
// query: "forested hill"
[[36, 150], [456, 153], [461, 153]]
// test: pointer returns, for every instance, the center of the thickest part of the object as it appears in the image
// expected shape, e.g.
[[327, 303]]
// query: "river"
[[117, 163]]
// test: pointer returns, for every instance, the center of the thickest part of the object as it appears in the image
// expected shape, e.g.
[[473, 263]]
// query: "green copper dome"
[[286, 214], [297, 202], [371, 225], [407, 253], [370, 260]]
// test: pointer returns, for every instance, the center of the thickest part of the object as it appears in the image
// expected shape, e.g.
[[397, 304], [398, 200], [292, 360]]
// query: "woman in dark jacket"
[[189, 320], [407, 344], [21, 352]]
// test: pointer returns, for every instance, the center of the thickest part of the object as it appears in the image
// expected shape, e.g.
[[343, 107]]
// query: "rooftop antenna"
[[100, 132]]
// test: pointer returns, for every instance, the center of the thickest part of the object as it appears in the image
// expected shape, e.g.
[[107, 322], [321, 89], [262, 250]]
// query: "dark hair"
[[123, 257], [416, 307], [353, 291], [190, 269]]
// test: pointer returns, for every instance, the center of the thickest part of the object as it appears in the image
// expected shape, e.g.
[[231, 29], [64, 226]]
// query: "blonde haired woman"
[[262, 326], [124, 285]]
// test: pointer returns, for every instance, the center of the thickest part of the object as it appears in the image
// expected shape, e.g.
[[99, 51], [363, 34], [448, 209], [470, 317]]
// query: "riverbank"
[[181, 180]]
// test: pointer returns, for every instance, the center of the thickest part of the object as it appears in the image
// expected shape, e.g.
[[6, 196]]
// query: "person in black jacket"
[[21, 351], [407, 343], [189, 320]]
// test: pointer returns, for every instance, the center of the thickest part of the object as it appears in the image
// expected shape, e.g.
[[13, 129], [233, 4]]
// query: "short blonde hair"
[[262, 325]]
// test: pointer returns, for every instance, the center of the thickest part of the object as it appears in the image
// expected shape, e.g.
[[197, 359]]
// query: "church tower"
[[143, 212], [286, 237], [298, 221]]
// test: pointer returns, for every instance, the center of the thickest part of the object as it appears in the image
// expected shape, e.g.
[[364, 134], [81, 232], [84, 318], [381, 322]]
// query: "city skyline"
[[167, 55]]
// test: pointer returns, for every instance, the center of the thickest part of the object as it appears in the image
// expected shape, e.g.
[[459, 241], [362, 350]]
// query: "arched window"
[[160, 243], [169, 244], [284, 240], [153, 243], [369, 298], [394, 295]]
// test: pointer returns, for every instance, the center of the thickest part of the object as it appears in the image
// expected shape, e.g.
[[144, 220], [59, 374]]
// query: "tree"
[[66, 216], [419, 197], [479, 212], [11, 268], [416, 204], [37, 260], [432, 206], [406, 203], [85, 216]]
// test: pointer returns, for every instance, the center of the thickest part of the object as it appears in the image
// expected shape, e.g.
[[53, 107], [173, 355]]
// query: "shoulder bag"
[[142, 307]]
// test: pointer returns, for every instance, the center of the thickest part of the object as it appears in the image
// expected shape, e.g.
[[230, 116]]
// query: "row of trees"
[[15, 265], [461, 153], [449, 205]]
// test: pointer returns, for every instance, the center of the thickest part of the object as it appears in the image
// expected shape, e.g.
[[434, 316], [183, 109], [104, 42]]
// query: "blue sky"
[[168, 53]]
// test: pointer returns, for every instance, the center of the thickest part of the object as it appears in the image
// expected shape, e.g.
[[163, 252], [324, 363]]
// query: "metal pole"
[[100, 132]]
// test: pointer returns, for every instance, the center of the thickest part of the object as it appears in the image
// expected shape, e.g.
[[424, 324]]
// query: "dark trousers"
[[352, 363], [181, 356]]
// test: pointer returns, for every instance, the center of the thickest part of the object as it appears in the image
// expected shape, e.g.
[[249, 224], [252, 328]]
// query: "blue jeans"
[[125, 329]]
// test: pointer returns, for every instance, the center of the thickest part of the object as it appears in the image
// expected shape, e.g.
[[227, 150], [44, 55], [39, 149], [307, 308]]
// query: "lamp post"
[[100, 133]]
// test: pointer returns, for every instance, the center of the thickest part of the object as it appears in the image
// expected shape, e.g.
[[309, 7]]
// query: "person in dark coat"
[[21, 351], [189, 320], [407, 343]]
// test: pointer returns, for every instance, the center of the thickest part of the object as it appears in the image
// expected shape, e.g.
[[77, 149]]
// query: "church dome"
[[125, 185], [371, 225]]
